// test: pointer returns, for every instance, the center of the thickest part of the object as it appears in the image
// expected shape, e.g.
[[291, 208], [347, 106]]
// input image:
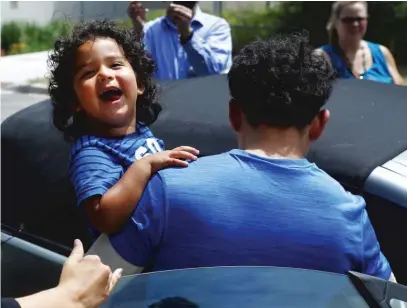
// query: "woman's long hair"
[[337, 8]]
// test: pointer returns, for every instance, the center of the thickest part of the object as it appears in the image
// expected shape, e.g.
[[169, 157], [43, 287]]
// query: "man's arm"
[[136, 244], [212, 55], [374, 263]]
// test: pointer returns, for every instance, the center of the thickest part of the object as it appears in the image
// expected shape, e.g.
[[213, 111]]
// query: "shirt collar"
[[199, 15]]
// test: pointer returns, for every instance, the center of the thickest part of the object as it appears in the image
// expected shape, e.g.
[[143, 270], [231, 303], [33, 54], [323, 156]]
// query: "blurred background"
[[29, 30], [33, 26]]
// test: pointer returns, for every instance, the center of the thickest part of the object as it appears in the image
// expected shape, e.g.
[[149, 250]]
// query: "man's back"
[[241, 209]]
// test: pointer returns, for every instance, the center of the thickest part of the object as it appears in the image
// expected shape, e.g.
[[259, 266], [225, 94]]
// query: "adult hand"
[[182, 17], [86, 279], [137, 14]]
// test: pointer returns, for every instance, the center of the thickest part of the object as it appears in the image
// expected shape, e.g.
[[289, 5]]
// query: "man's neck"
[[274, 142]]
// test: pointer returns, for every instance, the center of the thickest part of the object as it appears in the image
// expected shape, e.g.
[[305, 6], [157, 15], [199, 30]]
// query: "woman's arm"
[[85, 282], [391, 64]]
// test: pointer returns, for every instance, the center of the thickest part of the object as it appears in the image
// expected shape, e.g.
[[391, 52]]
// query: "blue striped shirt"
[[96, 164], [209, 51]]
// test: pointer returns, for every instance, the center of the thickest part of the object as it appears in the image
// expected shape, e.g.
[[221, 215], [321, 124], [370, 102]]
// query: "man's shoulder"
[[153, 24], [332, 188], [206, 163], [212, 19]]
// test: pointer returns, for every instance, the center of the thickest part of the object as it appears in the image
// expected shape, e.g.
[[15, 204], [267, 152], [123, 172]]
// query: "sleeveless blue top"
[[378, 72]]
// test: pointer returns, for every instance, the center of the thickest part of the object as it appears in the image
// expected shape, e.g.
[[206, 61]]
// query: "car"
[[260, 287], [364, 148]]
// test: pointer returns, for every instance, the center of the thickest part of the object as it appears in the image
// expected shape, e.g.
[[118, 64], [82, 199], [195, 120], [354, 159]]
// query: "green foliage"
[[249, 25], [17, 38], [151, 15], [126, 23], [387, 26], [10, 34], [28, 37], [387, 23]]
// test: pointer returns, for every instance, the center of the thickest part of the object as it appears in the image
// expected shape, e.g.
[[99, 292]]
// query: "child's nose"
[[105, 74]]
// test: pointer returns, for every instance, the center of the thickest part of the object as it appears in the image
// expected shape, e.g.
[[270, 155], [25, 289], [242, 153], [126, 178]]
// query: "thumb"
[[77, 251]]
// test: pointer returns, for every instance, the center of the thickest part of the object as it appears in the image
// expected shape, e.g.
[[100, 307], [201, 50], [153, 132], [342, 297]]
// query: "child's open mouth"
[[111, 95]]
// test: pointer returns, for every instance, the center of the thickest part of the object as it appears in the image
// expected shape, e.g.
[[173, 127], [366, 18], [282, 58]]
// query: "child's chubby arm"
[[108, 213]]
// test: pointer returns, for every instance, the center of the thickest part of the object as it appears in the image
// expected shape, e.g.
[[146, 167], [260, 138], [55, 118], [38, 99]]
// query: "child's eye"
[[116, 65], [87, 74]]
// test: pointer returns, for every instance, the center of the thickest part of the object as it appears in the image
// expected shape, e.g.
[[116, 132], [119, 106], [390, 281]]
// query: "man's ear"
[[318, 124], [235, 115]]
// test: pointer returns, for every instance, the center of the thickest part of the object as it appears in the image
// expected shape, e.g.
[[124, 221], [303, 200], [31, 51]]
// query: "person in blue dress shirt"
[[186, 42], [349, 54]]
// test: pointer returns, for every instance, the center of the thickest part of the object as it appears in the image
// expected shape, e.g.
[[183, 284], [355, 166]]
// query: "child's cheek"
[[128, 81], [85, 91]]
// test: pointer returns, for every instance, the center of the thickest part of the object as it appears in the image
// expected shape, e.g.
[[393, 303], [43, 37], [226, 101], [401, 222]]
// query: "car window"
[[236, 287]]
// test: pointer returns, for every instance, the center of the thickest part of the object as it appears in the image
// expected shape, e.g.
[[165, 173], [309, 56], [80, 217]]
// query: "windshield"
[[235, 287]]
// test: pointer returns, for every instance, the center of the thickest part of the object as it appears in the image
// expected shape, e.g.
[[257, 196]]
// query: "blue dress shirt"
[[208, 52]]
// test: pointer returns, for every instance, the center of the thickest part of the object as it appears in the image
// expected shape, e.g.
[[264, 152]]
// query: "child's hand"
[[173, 157]]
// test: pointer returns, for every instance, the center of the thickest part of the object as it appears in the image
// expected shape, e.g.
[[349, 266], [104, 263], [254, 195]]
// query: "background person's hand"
[[175, 157], [87, 279], [137, 14], [182, 17]]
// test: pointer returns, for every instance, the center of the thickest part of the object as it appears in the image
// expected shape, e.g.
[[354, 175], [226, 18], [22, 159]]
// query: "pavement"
[[12, 102], [26, 73], [24, 81]]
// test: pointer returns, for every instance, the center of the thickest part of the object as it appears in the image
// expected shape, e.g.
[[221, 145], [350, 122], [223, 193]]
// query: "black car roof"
[[368, 124]]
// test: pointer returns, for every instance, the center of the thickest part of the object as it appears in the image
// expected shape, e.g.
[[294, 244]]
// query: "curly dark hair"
[[280, 82], [61, 63]]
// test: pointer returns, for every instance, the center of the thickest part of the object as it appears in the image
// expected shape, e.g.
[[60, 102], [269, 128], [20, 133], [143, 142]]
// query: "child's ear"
[[76, 108], [140, 90]]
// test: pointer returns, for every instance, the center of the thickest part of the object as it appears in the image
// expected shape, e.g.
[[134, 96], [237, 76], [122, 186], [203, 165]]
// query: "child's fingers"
[[187, 149], [177, 162], [182, 155]]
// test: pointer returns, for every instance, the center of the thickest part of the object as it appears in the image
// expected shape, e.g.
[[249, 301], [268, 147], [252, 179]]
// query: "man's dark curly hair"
[[61, 63], [280, 82]]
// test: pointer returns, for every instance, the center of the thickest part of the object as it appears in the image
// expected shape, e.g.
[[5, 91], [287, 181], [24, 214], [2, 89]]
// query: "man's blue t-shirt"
[[237, 209], [96, 164]]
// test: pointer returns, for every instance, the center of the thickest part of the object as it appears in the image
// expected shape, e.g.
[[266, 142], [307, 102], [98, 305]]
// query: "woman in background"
[[349, 54]]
